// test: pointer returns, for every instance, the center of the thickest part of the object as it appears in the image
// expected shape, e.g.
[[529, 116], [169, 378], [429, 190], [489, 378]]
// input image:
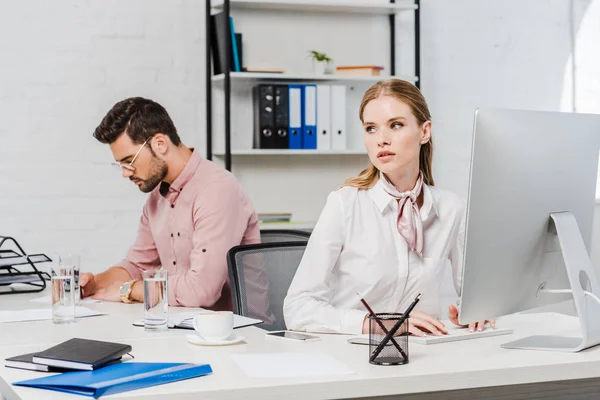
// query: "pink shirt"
[[188, 227]]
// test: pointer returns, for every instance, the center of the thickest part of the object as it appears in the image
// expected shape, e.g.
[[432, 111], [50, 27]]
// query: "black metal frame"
[[14, 275], [235, 274], [303, 234], [418, 43], [227, 75]]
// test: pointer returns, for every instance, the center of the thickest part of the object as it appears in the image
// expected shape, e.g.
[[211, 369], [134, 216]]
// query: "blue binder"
[[234, 45], [295, 115], [117, 378], [309, 115]]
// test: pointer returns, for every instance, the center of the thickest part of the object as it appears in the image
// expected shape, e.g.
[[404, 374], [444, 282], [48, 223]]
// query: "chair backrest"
[[283, 235], [260, 275]]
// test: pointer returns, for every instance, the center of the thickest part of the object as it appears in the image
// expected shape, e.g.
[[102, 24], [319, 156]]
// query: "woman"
[[386, 234]]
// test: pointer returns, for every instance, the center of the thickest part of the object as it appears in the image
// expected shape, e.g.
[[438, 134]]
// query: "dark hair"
[[139, 118]]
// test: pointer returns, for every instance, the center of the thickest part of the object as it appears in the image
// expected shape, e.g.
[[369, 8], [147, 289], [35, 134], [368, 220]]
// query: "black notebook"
[[81, 354], [25, 361]]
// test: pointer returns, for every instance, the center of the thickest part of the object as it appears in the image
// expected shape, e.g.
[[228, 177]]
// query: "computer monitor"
[[529, 220]]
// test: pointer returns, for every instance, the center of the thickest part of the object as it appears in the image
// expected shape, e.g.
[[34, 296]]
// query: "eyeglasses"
[[129, 166]]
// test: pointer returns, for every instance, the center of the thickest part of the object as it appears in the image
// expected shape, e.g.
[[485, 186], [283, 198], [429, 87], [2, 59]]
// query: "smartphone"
[[299, 336]]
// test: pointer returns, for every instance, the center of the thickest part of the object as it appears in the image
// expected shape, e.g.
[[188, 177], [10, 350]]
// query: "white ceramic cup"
[[214, 326]]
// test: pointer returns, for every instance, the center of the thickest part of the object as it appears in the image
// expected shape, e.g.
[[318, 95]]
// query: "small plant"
[[321, 57]]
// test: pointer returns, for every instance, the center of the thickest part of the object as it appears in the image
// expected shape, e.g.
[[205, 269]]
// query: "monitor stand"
[[584, 287]]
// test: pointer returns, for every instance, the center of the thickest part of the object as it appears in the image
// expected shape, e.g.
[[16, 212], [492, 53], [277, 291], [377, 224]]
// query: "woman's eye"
[[370, 129], [397, 125]]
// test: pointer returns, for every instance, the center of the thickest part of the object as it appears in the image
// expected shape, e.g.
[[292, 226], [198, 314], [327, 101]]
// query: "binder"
[[118, 378], [234, 47], [280, 136], [263, 98], [323, 117], [240, 48], [295, 116], [309, 127], [219, 47], [338, 117]]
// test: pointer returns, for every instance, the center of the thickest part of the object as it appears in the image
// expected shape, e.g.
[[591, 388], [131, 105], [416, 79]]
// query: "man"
[[195, 213]]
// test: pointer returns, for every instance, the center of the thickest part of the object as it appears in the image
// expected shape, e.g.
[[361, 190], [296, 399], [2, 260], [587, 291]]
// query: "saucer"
[[199, 340]]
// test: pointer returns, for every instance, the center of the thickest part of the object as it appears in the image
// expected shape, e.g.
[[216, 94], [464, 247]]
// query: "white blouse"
[[355, 247]]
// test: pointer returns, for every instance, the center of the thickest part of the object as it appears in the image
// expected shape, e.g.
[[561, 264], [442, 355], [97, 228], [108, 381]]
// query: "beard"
[[158, 171]]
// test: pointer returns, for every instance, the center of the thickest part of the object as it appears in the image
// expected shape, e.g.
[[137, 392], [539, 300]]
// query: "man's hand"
[[105, 285], [87, 283], [109, 293], [479, 326]]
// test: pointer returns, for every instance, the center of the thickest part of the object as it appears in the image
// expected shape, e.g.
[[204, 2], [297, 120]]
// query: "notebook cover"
[[86, 352], [118, 378], [25, 361]]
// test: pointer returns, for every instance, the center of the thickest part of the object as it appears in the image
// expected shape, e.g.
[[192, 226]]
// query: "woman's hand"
[[475, 326], [421, 324]]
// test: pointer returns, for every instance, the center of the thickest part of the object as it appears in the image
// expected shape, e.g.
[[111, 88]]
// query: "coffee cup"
[[214, 325]]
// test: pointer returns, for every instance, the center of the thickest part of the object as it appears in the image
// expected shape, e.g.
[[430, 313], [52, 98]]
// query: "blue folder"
[[309, 117], [295, 115], [118, 378], [234, 45]]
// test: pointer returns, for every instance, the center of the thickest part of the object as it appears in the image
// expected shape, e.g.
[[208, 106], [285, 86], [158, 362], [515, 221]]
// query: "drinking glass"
[[72, 261], [156, 300], [63, 301]]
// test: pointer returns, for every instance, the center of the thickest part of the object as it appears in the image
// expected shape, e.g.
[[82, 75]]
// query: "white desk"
[[475, 368]]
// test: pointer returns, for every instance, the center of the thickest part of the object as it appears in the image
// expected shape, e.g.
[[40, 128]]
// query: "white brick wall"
[[63, 64]]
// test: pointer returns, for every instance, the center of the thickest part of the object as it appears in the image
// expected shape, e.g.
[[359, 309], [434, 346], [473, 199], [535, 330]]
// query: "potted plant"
[[320, 62]]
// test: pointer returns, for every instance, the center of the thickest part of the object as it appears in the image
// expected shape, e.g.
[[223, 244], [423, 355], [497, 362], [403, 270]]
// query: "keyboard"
[[454, 334]]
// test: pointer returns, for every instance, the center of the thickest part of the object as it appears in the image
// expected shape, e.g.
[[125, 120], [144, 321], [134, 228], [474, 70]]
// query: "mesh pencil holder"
[[395, 349]]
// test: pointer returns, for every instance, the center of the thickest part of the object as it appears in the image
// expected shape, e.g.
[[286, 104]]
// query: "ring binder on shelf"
[[9, 273]]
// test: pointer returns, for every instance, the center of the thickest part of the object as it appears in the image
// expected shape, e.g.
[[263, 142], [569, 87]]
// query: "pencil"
[[385, 331], [395, 328]]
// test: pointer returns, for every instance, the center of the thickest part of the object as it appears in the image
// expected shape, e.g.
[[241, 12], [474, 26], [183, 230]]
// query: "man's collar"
[[184, 177]]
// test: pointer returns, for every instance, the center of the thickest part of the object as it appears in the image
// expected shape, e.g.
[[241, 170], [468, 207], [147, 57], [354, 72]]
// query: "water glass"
[[156, 300], [72, 261], [63, 301]]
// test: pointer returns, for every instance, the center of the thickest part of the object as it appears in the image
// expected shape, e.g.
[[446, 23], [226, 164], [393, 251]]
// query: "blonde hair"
[[409, 94]]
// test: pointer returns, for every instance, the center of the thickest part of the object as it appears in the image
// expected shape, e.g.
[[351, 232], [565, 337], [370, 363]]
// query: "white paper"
[[48, 300], [39, 314], [290, 365], [185, 320]]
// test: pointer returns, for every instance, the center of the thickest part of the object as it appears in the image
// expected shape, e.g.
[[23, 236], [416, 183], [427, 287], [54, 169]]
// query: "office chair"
[[283, 235], [260, 275]]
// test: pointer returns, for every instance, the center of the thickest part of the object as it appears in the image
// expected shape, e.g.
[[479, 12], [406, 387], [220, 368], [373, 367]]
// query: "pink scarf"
[[409, 222]]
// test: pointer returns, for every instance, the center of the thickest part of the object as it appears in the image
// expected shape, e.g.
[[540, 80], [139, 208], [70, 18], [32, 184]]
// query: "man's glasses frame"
[[129, 166]]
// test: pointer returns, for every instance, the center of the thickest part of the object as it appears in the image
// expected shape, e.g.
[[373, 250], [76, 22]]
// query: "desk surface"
[[468, 364]]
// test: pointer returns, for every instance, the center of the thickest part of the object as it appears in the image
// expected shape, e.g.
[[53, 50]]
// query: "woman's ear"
[[425, 132]]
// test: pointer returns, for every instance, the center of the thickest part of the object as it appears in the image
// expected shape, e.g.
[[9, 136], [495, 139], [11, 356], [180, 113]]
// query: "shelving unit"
[[285, 152], [229, 116], [364, 7], [275, 77]]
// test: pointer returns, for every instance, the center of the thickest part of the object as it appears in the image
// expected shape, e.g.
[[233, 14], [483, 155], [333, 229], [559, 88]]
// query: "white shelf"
[[254, 76], [364, 7], [286, 152]]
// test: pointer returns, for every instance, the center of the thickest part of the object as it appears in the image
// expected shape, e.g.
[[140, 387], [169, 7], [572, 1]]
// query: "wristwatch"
[[125, 291]]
